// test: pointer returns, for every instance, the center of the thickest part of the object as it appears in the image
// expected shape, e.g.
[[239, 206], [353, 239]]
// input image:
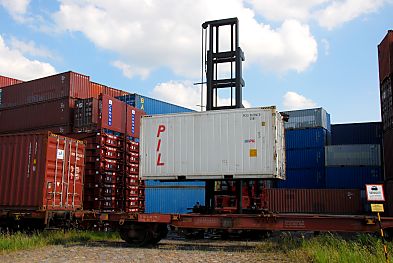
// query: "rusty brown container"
[[386, 96], [67, 84], [385, 56], [113, 114], [41, 171], [388, 154], [388, 187], [98, 89], [39, 116], [324, 201], [6, 81], [133, 121]]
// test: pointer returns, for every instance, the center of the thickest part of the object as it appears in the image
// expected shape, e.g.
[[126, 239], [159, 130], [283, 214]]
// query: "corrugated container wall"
[[385, 56], [41, 172], [6, 81], [386, 93], [241, 143], [352, 177], [107, 113], [37, 116], [357, 133], [353, 155], [152, 106], [306, 138], [388, 155], [325, 201], [67, 84], [305, 158], [173, 197], [304, 178], [308, 118]]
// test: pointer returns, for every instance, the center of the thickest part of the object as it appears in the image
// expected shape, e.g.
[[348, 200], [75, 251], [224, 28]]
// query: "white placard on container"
[[375, 193]]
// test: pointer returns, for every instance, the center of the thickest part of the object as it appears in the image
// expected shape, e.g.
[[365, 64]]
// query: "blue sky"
[[299, 54]]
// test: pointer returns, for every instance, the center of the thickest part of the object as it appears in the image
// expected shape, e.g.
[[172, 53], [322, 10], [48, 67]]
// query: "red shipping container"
[[386, 93], [41, 172], [385, 56], [133, 121], [388, 188], [113, 114], [6, 81], [388, 154], [39, 116], [324, 201], [66, 84]]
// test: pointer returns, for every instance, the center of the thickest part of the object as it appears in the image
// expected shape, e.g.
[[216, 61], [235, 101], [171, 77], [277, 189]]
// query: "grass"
[[20, 241], [323, 248], [331, 248]]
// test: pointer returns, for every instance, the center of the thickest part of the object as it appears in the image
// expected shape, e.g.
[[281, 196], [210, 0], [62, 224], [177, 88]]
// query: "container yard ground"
[[281, 247], [166, 251]]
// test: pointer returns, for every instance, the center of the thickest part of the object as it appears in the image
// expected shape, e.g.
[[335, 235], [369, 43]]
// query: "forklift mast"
[[217, 62]]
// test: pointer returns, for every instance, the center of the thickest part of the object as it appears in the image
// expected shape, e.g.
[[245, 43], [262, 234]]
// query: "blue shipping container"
[[305, 158], [303, 178], [357, 133], [306, 138], [173, 197], [352, 177], [151, 106]]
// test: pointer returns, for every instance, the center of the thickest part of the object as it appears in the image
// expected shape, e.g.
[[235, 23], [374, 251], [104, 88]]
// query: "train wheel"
[[160, 232], [136, 235]]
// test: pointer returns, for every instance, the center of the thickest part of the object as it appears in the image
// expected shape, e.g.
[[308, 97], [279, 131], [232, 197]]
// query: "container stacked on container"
[[111, 129], [385, 59], [46, 103], [354, 158], [166, 197], [306, 134]]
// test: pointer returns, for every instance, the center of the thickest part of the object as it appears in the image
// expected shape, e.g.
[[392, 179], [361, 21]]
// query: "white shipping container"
[[224, 144]]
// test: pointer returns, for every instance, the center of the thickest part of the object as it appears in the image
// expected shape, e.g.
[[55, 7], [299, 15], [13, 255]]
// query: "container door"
[[64, 175]]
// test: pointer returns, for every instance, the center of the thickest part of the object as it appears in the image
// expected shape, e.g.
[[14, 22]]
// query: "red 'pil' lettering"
[[158, 145], [161, 128], [159, 163]]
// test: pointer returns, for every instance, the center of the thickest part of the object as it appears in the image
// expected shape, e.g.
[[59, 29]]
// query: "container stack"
[[24, 104], [385, 59], [306, 134], [111, 129], [70, 104], [166, 197], [355, 156]]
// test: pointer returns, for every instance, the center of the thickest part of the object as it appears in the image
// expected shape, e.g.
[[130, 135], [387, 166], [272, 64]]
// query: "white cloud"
[[339, 12], [131, 71], [285, 9], [185, 94], [152, 34], [30, 48], [328, 13], [16, 8], [295, 101], [14, 64]]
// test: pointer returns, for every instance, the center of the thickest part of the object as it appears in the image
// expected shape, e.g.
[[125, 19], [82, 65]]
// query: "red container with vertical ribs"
[[41, 171]]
